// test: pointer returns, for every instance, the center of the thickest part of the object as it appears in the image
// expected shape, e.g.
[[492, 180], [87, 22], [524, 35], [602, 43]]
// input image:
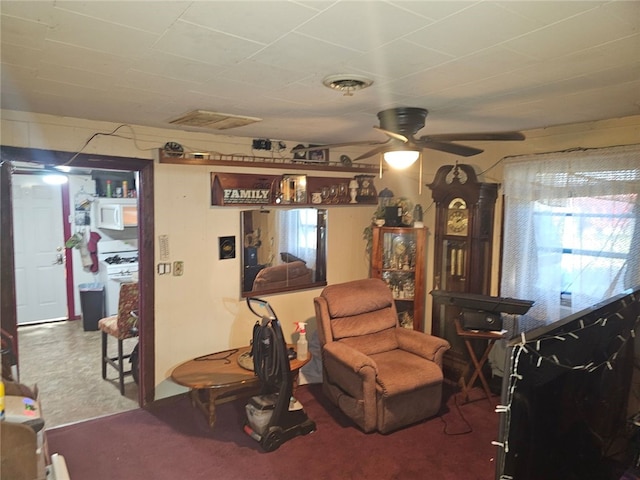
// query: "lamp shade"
[[401, 159]]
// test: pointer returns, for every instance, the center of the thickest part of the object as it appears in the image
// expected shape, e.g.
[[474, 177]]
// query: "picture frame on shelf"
[[318, 156], [293, 189], [299, 155]]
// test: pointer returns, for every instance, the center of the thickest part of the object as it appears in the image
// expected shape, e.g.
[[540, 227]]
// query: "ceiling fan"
[[401, 124]]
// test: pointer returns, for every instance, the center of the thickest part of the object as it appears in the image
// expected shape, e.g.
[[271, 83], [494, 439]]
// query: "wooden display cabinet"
[[397, 257]]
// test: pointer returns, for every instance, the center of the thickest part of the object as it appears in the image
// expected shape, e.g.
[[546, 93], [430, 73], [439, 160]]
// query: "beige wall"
[[201, 311]]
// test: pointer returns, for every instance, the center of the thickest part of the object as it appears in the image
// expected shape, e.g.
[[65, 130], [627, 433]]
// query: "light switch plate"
[[164, 268]]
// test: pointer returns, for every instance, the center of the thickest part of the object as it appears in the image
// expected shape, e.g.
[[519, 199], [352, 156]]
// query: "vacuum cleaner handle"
[[263, 304]]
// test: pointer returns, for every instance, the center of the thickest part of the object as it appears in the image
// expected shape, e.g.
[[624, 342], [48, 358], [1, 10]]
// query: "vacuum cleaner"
[[274, 416]]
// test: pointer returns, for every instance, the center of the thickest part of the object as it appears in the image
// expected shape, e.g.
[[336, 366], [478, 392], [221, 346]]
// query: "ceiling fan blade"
[[495, 136], [397, 136], [456, 149], [370, 153], [336, 145]]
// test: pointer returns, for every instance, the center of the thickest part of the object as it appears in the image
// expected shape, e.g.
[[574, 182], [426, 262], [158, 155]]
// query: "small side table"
[[218, 378], [467, 336]]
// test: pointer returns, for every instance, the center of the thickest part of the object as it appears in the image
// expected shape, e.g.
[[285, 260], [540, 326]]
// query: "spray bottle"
[[302, 348]]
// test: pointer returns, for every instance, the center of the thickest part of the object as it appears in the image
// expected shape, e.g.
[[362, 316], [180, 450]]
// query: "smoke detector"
[[214, 120], [347, 83]]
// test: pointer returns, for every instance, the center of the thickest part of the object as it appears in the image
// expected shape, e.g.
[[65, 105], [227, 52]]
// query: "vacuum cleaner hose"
[[267, 357]]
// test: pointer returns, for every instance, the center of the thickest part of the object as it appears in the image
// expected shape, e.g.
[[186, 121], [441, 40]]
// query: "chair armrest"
[[422, 344], [348, 357], [352, 372]]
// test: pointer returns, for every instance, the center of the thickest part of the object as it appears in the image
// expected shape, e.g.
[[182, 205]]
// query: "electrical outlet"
[[178, 269]]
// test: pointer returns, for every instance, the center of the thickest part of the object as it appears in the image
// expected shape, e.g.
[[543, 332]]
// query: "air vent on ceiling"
[[214, 120], [347, 83]]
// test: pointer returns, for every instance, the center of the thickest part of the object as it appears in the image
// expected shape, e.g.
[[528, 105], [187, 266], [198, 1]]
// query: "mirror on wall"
[[283, 250]]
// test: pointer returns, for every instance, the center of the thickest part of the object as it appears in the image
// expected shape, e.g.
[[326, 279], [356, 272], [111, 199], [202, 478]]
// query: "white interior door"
[[41, 290]]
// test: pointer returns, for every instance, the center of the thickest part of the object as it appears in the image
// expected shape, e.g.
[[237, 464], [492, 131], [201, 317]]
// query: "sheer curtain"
[[571, 228], [297, 234]]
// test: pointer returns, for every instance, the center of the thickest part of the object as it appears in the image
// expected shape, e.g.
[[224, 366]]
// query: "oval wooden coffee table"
[[218, 378]]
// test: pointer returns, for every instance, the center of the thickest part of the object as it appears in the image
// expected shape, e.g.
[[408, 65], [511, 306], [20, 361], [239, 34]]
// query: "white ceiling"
[[477, 66]]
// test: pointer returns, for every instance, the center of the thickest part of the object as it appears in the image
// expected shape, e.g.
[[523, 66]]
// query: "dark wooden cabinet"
[[398, 258], [463, 237]]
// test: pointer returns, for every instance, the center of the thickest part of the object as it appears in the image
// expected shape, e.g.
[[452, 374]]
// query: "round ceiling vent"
[[347, 83]]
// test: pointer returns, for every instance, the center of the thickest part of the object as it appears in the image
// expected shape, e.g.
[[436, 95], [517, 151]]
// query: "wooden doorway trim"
[[144, 167]]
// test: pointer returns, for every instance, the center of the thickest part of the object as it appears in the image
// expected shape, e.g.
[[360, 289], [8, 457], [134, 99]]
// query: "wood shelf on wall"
[[246, 189], [250, 161]]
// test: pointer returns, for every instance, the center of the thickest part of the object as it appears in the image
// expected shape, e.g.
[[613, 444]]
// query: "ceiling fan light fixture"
[[347, 83], [401, 159]]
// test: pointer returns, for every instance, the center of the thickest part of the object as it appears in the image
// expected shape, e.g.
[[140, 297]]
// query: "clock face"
[[400, 247], [457, 222]]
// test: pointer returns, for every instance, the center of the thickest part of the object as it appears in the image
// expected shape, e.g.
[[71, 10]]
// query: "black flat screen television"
[[565, 394]]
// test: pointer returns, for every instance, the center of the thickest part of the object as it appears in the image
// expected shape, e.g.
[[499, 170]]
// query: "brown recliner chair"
[[381, 375]]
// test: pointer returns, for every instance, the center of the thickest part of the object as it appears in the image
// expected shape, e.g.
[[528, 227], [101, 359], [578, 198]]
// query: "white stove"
[[118, 263]]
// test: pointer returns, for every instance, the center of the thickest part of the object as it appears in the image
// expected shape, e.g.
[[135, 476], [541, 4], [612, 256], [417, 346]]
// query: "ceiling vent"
[[347, 83], [213, 120]]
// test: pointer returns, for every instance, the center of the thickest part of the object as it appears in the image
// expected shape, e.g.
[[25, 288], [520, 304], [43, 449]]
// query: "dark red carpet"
[[173, 441]]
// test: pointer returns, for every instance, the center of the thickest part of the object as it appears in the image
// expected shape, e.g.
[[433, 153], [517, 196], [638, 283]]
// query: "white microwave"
[[116, 213]]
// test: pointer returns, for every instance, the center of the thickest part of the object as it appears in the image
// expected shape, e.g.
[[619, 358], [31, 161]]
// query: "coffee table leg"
[[212, 408], [208, 407], [193, 394]]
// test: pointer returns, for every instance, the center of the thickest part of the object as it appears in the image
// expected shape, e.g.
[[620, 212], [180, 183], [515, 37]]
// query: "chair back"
[[127, 309], [360, 313]]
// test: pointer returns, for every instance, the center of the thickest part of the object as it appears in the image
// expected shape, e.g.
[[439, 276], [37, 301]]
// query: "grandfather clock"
[[463, 237]]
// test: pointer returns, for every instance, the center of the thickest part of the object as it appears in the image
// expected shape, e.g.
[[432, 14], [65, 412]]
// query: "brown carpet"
[[173, 441]]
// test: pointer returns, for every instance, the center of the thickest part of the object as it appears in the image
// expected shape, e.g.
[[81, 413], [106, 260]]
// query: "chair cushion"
[[109, 325], [123, 324], [373, 343], [357, 297], [365, 324], [127, 303], [400, 371]]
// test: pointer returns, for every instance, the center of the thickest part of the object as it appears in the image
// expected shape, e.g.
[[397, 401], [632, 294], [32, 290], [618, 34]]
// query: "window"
[[572, 228], [298, 233]]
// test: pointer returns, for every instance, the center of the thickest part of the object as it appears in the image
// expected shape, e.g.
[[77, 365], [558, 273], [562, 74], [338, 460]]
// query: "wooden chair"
[[121, 326]]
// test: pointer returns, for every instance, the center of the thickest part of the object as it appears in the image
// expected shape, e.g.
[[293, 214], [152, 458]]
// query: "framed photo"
[[318, 156], [293, 189], [299, 155], [227, 247]]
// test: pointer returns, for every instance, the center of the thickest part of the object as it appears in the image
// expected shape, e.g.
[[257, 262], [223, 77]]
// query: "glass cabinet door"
[[398, 259]]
